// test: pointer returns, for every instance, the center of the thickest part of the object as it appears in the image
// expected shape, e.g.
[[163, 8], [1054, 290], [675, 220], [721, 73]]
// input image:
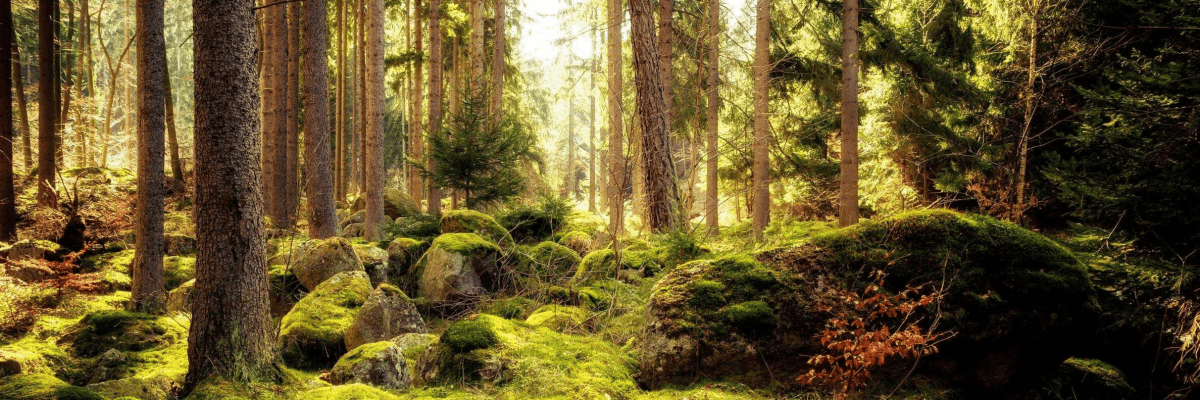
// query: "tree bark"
[[1018, 206], [172, 138], [148, 293], [848, 201], [662, 197], [477, 75], [417, 135], [292, 178], [340, 106], [231, 333], [435, 95], [47, 120], [595, 68], [374, 107], [319, 184], [497, 95], [8, 199], [364, 96], [616, 158], [762, 121], [18, 83], [712, 215]]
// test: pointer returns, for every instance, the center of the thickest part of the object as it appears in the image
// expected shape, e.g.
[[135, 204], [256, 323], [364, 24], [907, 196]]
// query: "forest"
[[600, 199]]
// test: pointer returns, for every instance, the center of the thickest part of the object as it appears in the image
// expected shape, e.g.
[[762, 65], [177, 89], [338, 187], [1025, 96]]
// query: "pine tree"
[[319, 186], [8, 200], [711, 212], [616, 155], [762, 122], [848, 203], [374, 88], [148, 293], [662, 197], [47, 118]]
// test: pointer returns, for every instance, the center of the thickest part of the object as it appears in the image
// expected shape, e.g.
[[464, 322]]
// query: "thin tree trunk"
[[112, 94], [340, 105], [8, 199], [172, 138], [662, 196], [592, 180], [231, 335], [497, 95], [361, 90], [19, 90], [477, 76], [1018, 206], [47, 125], [292, 178], [279, 134], [148, 293], [572, 178], [374, 88], [762, 119], [848, 202], [57, 85], [712, 214], [435, 94], [319, 182], [270, 153], [416, 136], [616, 159]]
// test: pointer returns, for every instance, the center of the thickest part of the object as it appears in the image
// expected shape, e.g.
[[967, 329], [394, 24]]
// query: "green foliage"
[[529, 224], [479, 158], [418, 226], [467, 335]]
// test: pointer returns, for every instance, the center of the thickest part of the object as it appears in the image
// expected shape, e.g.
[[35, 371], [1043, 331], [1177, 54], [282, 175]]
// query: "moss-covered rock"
[[459, 265], [374, 260], [112, 268], [286, 251], [397, 204], [325, 260], [467, 335], [29, 249], [470, 221], [600, 264], [379, 364], [387, 313], [578, 241], [312, 335], [402, 254], [28, 270], [123, 331], [177, 270], [559, 318], [511, 308], [354, 391], [549, 262], [41, 387], [158, 387], [179, 300], [1088, 379]]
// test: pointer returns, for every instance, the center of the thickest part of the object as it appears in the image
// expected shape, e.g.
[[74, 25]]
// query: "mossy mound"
[[326, 259], [312, 334], [177, 270], [42, 387], [459, 265], [470, 221], [549, 262], [531, 225], [559, 318], [30, 249], [355, 391], [511, 308], [379, 364], [123, 331], [467, 335], [600, 264], [417, 227], [578, 241], [157, 387], [1088, 379]]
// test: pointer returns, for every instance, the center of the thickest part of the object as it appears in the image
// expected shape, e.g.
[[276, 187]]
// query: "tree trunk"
[[572, 181], [374, 88], [319, 185], [363, 94], [340, 105], [616, 158], [172, 138], [497, 95], [662, 196], [477, 75], [595, 67], [47, 125], [18, 83], [280, 134], [416, 136], [292, 178], [8, 199], [848, 202], [712, 215], [148, 293], [762, 119], [435, 94], [1018, 207], [231, 333]]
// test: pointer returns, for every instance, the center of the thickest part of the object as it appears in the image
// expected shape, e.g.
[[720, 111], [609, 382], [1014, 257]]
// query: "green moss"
[[113, 268], [354, 391], [559, 318], [511, 308], [550, 261], [707, 294], [470, 221], [1088, 379], [575, 240], [125, 331], [597, 297], [753, 318], [366, 352], [30, 387], [311, 335], [76, 393], [464, 243], [178, 269], [467, 335]]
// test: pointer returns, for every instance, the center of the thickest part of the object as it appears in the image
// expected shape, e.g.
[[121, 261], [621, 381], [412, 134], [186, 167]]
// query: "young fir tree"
[[478, 159]]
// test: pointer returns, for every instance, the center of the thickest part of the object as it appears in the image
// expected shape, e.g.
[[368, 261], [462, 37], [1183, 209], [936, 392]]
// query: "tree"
[[476, 49], [616, 159], [292, 180], [275, 114], [340, 152], [497, 92], [172, 138], [8, 199], [319, 184], [47, 118], [374, 107], [148, 293], [762, 121], [416, 135], [662, 197], [480, 159], [18, 83], [592, 151], [848, 203], [711, 213], [435, 100], [231, 334]]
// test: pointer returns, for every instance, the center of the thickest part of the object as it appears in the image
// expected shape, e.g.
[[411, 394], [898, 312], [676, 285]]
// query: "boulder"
[[179, 245], [578, 241], [29, 270], [326, 259], [108, 366], [375, 262], [31, 250], [387, 313], [559, 318], [357, 217], [353, 230], [287, 251], [158, 387], [179, 300], [403, 253], [312, 334], [549, 262], [458, 265], [379, 364], [470, 221], [397, 204], [1018, 302], [30, 387]]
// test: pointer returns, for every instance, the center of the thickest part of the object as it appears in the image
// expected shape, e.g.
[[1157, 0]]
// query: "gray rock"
[[325, 260], [457, 265], [387, 313], [379, 364]]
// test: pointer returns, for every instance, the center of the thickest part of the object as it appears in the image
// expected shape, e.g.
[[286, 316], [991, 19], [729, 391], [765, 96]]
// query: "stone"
[[312, 334], [387, 313], [325, 260], [379, 364], [458, 265], [179, 300]]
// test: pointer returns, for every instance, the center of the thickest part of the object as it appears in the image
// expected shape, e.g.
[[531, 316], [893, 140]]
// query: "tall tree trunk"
[[148, 293], [1018, 207], [374, 88], [318, 176], [762, 119], [231, 333], [361, 90], [497, 95], [292, 178], [435, 94], [712, 214], [172, 138], [18, 83], [47, 121], [279, 64], [57, 85], [8, 199], [662, 196], [340, 105], [416, 135], [616, 152], [595, 67], [848, 197], [572, 182], [477, 76]]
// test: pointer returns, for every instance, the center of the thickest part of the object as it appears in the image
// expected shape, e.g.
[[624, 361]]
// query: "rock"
[[550, 262], [470, 221], [326, 259], [179, 245], [353, 230], [379, 364], [375, 262], [29, 271], [102, 331], [16, 362], [108, 366], [159, 387], [403, 253], [578, 241], [386, 314], [397, 204], [179, 300], [31, 250], [415, 347], [287, 251], [458, 265], [599, 264], [312, 334], [1018, 302], [559, 318], [357, 218]]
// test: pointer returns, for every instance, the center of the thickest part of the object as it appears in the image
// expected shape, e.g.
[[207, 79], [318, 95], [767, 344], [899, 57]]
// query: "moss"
[[549, 261], [366, 352], [707, 294], [76, 393], [123, 330], [467, 335], [419, 226], [178, 270], [311, 335], [1088, 379], [559, 318], [576, 240], [113, 268], [597, 297], [511, 308], [354, 391], [470, 221], [30, 387], [599, 264], [753, 318], [464, 243]]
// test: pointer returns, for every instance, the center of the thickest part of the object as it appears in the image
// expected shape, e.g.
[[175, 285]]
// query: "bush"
[[534, 224]]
